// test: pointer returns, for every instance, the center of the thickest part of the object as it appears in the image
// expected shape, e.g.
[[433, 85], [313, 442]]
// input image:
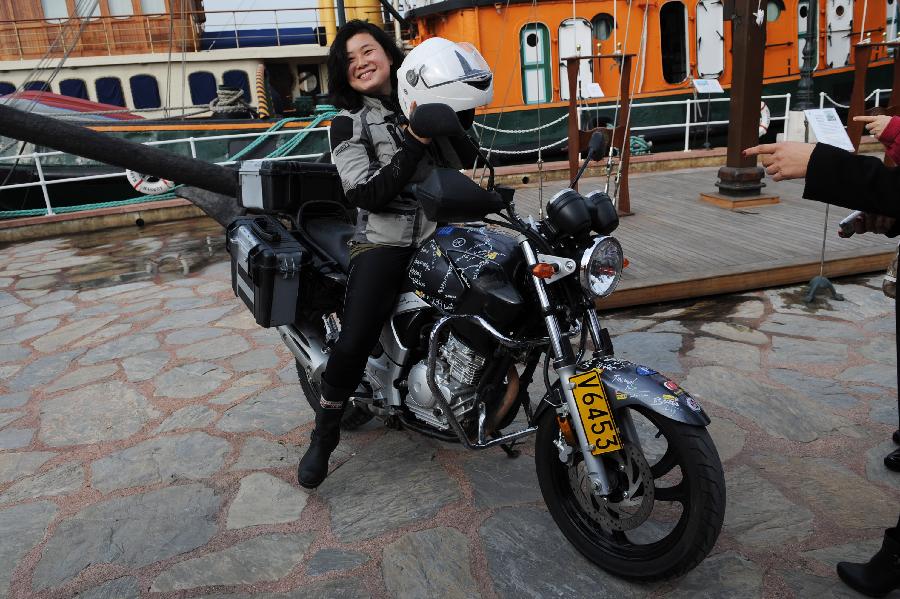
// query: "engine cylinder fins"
[[466, 365]]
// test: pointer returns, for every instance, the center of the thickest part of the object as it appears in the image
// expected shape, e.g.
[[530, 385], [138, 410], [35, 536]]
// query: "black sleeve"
[[367, 184], [836, 176]]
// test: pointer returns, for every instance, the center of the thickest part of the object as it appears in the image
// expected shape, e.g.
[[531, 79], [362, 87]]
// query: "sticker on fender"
[[596, 417]]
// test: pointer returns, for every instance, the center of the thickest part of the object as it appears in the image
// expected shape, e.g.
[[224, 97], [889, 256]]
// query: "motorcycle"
[[485, 305], [625, 464]]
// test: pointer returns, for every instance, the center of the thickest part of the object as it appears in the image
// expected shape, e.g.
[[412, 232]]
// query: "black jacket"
[[836, 176]]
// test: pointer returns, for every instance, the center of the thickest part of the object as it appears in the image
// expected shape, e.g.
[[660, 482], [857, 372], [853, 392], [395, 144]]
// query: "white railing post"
[[821, 99], [878, 97], [193, 147], [787, 104], [40, 172], [687, 124], [277, 33]]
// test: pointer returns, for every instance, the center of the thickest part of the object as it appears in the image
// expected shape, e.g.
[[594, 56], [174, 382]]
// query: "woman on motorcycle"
[[377, 155]]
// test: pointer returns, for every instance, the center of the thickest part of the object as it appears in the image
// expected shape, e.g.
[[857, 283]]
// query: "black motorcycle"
[[624, 461], [625, 464]]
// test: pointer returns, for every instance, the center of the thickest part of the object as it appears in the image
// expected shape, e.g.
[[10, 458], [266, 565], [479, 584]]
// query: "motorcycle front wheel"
[[667, 504]]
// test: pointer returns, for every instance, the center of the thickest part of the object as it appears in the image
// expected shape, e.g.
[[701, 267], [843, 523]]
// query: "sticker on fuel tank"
[[644, 371], [444, 231], [692, 404]]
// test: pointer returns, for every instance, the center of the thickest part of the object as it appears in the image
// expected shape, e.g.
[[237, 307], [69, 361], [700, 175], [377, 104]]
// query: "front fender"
[[628, 384]]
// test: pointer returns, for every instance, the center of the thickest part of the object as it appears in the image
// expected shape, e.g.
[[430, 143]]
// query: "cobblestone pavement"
[[149, 433]]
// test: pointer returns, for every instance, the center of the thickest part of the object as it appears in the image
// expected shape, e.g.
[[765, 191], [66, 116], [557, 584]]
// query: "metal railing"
[[875, 94], [154, 33], [688, 122], [192, 142]]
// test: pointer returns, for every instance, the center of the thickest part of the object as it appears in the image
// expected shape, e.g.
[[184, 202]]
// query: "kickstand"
[[821, 281], [509, 449]]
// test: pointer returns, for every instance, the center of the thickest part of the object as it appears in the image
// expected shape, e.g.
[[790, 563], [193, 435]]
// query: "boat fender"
[[765, 118], [148, 184]]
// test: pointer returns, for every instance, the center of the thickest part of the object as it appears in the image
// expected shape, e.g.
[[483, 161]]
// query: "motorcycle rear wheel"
[[700, 492], [354, 416]]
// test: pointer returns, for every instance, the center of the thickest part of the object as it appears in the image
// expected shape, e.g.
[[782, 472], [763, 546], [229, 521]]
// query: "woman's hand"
[[424, 140], [783, 160], [874, 124]]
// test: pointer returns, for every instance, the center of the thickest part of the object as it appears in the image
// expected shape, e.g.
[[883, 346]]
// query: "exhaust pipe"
[[307, 348]]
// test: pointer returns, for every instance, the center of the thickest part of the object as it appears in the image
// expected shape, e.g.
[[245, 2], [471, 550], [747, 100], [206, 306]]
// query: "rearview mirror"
[[597, 146], [435, 120]]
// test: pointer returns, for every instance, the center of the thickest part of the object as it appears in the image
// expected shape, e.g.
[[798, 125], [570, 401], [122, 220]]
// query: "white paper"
[[592, 90], [708, 86], [828, 128]]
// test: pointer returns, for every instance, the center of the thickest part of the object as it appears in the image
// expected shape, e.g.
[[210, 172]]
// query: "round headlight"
[[601, 267]]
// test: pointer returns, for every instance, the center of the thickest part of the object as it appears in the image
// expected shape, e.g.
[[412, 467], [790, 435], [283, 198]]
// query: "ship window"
[[153, 7], [534, 40], [55, 10], [88, 9], [203, 87], [239, 80], [75, 88], [6, 88], [603, 25], [673, 41], [109, 91], [37, 86], [774, 8], [144, 91], [120, 8]]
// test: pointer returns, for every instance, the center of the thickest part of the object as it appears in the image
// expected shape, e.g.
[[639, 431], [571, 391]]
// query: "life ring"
[[765, 118], [148, 184]]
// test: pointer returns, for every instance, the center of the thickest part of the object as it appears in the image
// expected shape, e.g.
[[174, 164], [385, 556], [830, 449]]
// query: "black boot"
[[325, 436], [881, 574], [892, 460]]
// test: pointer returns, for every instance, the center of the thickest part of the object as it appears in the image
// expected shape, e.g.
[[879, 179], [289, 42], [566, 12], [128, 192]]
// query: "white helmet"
[[439, 71]]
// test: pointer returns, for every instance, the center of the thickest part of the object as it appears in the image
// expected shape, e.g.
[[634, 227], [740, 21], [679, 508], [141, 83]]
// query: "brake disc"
[[632, 499]]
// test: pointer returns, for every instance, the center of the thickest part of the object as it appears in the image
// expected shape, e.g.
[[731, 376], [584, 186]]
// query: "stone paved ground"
[[149, 433]]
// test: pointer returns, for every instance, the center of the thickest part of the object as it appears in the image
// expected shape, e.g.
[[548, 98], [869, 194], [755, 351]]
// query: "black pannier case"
[[285, 185], [265, 268]]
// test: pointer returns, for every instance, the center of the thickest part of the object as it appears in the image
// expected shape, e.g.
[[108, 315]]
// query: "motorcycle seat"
[[332, 237]]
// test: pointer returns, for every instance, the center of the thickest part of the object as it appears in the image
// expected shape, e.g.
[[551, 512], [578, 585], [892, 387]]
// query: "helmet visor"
[[459, 62]]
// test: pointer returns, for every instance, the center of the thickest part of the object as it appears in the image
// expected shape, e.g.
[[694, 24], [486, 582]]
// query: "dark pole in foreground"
[[81, 141], [805, 92], [740, 180], [740, 175]]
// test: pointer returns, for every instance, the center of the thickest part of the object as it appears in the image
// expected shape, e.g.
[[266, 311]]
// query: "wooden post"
[[740, 180], [574, 128], [622, 135], [862, 53]]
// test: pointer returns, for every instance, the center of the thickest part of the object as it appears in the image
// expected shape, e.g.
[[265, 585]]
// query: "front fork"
[[565, 366]]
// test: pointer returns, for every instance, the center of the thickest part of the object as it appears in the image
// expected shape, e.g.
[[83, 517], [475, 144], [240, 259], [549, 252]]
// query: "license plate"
[[593, 409]]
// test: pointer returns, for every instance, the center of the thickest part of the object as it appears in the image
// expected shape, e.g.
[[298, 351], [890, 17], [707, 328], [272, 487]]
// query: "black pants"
[[376, 276]]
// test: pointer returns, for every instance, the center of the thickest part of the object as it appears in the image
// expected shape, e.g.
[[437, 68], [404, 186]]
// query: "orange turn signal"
[[625, 263], [542, 270], [566, 430]]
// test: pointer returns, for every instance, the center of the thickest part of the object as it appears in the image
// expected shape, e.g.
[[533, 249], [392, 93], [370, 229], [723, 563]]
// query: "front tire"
[[668, 542]]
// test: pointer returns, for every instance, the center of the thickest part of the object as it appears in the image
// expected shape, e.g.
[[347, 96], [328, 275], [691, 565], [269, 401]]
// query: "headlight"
[[601, 267]]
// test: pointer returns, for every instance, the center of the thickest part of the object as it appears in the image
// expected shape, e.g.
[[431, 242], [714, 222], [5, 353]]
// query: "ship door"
[[536, 63], [802, 16], [575, 39], [710, 39], [840, 21]]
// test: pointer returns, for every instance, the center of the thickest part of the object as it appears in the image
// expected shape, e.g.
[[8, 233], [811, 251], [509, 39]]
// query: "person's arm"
[[836, 176], [366, 183], [889, 138]]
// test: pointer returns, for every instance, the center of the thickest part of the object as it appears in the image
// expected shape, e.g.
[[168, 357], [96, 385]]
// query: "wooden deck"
[[679, 247]]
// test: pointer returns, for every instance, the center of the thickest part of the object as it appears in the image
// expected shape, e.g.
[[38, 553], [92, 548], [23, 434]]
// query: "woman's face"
[[368, 66]]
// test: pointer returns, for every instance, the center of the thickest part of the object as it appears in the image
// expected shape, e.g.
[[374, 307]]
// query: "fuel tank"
[[471, 270]]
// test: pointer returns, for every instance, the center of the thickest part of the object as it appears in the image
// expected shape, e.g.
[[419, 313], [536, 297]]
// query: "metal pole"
[[341, 17], [687, 125], [40, 172], [805, 91]]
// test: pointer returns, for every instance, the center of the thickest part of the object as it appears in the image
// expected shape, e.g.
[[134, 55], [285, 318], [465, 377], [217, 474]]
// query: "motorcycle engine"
[[457, 371]]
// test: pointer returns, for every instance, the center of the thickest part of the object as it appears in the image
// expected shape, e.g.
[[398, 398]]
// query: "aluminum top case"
[[266, 261]]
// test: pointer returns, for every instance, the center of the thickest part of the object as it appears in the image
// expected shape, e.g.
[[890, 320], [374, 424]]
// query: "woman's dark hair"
[[341, 94]]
